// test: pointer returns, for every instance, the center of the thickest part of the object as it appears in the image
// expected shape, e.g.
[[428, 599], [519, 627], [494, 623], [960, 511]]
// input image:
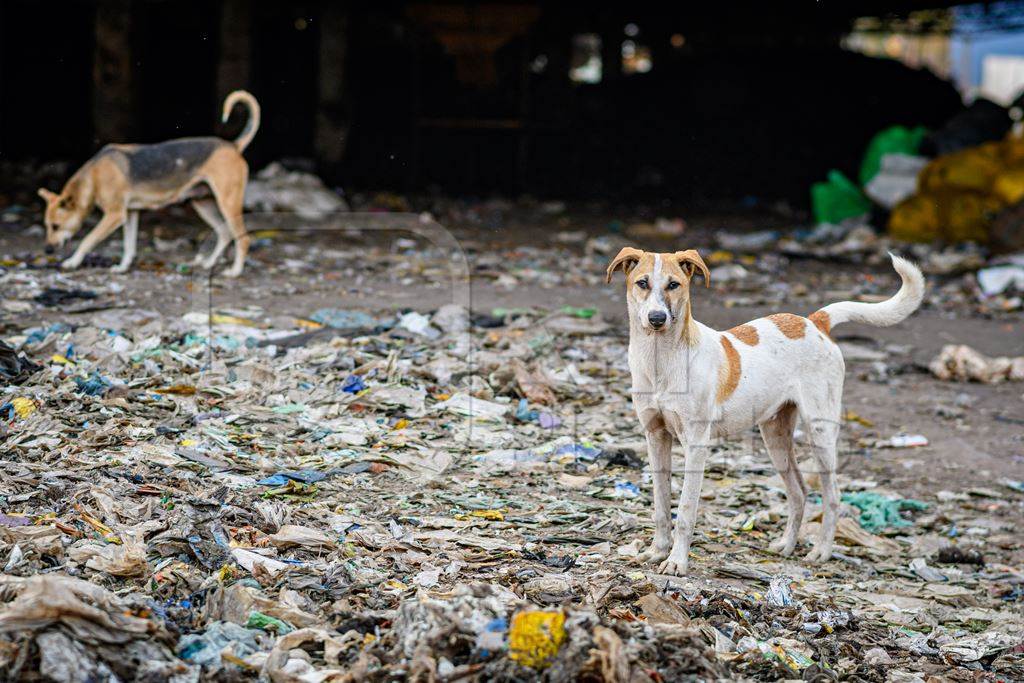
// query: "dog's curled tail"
[[882, 314], [252, 125]]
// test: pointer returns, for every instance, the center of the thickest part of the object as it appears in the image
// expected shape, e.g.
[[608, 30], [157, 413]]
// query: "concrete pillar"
[[332, 116], [113, 93], [234, 62]]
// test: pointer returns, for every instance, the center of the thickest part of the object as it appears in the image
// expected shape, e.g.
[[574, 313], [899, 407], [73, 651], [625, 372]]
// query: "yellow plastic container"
[[534, 638]]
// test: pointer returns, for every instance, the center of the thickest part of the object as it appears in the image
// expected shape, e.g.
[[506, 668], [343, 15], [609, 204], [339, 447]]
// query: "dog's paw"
[[119, 269], [818, 554], [780, 547], [653, 555], [232, 272], [70, 264], [676, 565]]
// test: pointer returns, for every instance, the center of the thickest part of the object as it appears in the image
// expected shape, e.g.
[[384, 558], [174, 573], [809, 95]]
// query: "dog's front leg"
[[131, 240], [108, 224], [686, 517], [659, 457]]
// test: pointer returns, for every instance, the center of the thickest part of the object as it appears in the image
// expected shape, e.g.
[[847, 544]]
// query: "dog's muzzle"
[[657, 319]]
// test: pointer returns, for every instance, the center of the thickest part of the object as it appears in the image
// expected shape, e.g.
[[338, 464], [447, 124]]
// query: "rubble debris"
[[961, 363], [15, 367], [276, 189], [319, 487], [903, 441]]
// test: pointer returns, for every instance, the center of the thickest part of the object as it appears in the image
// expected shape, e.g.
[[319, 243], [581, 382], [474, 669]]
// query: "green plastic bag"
[[267, 623], [892, 140], [878, 512], [837, 199]]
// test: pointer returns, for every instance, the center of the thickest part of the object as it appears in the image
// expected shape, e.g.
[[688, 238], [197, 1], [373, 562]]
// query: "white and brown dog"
[[694, 384], [122, 179]]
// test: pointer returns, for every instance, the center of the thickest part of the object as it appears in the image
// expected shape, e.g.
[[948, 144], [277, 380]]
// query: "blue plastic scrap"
[[523, 412], [586, 453], [342, 319], [626, 489], [353, 384], [96, 385], [304, 476]]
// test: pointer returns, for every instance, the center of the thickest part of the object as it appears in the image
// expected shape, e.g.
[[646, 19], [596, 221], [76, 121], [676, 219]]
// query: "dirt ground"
[[507, 526], [975, 431]]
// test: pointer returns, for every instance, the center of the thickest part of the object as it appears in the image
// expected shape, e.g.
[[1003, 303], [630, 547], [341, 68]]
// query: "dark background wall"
[[760, 101]]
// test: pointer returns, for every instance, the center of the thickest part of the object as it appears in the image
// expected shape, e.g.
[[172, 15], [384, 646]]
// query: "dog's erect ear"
[[690, 261], [626, 259], [47, 196]]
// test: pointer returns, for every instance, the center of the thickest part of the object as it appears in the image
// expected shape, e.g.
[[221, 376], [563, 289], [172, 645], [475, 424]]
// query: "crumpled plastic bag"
[[207, 647], [90, 612], [974, 647], [291, 535], [280, 667], [126, 559], [237, 602]]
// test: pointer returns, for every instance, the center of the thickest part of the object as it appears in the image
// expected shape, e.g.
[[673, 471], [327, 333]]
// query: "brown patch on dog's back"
[[728, 372], [793, 326], [821, 321], [746, 334]]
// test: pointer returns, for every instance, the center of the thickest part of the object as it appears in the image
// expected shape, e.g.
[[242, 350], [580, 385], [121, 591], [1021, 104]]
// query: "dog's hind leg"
[[131, 242], [820, 416], [110, 222], [778, 438], [659, 457], [230, 194], [207, 210]]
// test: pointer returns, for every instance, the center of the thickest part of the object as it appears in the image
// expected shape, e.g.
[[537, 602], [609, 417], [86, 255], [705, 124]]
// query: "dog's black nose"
[[657, 318], [49, 249]]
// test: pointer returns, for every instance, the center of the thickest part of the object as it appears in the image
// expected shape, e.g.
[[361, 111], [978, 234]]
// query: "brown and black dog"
[[123, 179]]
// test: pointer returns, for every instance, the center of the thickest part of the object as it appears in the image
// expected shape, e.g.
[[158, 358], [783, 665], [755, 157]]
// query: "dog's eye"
[[642, 284], [672, 285]]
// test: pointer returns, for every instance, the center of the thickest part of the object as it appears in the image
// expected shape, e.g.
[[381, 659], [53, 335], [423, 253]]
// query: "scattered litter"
[[903, 441], [779, 593], [417, 323], [919, 566], [303, 485]]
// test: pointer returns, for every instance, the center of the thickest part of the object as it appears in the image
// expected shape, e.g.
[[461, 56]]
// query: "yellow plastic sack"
[[23, 406], [1009, 185], [968, 215], [534, 638], [1013, 150], [915, 219], [950, 215], [971, 169]]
